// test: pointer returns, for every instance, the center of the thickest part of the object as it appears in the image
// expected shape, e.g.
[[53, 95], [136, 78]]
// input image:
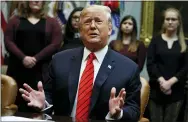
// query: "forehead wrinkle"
[[94, 10]]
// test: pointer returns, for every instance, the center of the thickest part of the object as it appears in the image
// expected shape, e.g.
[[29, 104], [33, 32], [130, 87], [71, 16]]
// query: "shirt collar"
[[99, 54], [76, 35]]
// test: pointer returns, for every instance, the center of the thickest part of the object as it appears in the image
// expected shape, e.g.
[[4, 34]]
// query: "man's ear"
[[109, 28]]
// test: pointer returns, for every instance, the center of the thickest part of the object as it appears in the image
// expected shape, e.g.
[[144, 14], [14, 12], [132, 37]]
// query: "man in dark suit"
[[84, 82]]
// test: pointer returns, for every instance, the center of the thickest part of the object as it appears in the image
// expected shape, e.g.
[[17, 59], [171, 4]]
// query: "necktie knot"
[[91, 56]]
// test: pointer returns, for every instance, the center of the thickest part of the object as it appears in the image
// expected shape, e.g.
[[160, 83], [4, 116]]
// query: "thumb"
[[118, 110], [40, 86]]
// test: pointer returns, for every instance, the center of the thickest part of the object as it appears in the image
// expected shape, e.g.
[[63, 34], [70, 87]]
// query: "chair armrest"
[[143, 120], [12, 106], [9, 110]]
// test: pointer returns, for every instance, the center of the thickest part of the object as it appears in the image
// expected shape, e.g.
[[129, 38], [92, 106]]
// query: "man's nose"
[[93, 24]]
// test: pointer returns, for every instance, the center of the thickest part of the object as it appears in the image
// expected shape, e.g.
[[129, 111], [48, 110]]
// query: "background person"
[[72, 37], [127, 44], [31, 39], [167, 68]]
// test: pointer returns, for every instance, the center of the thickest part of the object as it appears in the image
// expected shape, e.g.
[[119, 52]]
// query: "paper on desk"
[[16, 118]]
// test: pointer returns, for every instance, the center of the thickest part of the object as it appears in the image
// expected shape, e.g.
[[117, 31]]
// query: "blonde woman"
[[167, 67]]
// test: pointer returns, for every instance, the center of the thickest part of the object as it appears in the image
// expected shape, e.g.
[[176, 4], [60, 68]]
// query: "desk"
[[42, 116]]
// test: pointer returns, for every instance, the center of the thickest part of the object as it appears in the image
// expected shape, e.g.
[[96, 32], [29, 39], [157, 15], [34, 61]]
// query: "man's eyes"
[[90, 21]]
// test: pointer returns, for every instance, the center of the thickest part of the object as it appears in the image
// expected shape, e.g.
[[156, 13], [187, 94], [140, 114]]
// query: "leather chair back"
[[145, 91], [8, 91]]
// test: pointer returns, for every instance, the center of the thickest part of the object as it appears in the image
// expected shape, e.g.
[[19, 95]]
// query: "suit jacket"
[[115, 71]]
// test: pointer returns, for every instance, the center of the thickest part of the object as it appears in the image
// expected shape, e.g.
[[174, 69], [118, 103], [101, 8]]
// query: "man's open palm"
[[35, 98], [116, 103]]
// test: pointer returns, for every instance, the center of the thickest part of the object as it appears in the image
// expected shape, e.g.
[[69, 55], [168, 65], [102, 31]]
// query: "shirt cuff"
[[47, 106], [108, 116]]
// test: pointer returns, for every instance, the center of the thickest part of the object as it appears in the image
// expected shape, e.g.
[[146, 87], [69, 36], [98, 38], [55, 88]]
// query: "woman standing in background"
[[31, 39], [167, 68], [72, 37], [127, 44]]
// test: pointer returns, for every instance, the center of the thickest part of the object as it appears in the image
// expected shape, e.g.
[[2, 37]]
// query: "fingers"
[[40, 86], [169, 92], [22, 91], [113, 92], [121, 103], [34, 59], [30, 104], [165, 91], [26, 98], [121, 92], [27, 87], [29, 62], [29, 66], [124, 95], [162, 89], [32, 63]]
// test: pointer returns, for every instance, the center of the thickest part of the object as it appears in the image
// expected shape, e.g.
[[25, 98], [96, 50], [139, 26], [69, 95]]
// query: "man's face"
[[94, 29]]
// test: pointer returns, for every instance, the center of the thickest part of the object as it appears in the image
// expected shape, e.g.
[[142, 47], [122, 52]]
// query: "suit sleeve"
[[9, 38], [131, 109], [48, 84], [152, 68]]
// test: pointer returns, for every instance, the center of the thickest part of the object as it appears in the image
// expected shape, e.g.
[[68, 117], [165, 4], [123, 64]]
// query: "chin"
[[94, 41]]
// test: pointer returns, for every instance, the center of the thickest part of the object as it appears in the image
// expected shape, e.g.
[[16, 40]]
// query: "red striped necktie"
[[85, 89]]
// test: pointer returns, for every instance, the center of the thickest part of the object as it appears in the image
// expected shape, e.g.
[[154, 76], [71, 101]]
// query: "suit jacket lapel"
[[74, 75], [106, 67]]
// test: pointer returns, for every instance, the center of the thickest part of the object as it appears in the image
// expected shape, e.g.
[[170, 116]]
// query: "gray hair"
[[104, 9]]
